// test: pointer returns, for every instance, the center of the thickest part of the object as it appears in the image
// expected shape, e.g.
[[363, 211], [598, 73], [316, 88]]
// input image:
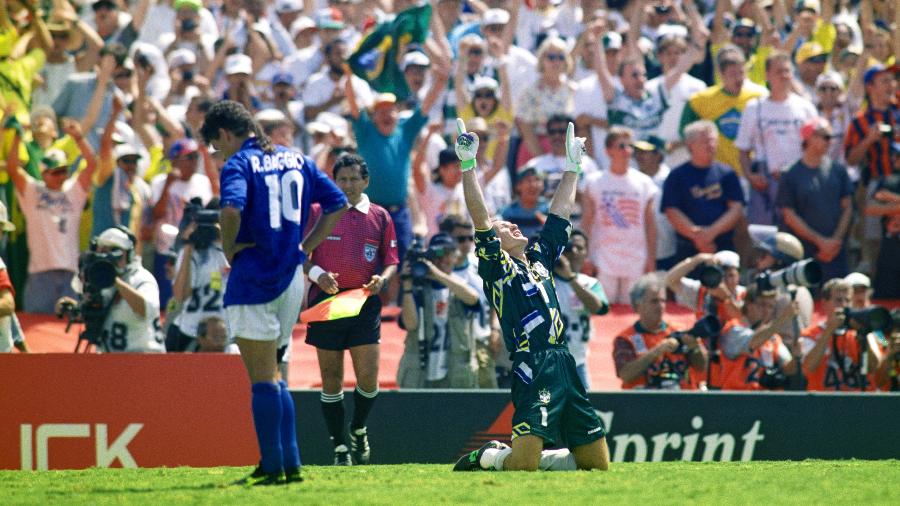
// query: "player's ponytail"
[[235, 118]]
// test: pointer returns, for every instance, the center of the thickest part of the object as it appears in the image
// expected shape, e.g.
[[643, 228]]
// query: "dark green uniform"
[[548, 397]]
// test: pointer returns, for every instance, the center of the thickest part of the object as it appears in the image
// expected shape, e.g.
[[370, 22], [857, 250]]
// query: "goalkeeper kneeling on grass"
[[551, 405]]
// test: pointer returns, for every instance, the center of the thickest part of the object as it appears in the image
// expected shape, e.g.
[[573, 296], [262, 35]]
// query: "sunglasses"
[[623, 145], [818, 59], [464, 238], [484, 94], [122, 75], [59, 171], [741, 34], [556, 57], [59, 35], [129, 160], [829, 88], [476, 52], [190, 156], [556, 131]]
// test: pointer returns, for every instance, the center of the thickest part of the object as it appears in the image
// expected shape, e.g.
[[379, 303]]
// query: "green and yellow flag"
[[376, 58]]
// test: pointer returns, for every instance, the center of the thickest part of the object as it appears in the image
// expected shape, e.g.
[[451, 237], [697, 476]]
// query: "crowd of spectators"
[[742, 133]]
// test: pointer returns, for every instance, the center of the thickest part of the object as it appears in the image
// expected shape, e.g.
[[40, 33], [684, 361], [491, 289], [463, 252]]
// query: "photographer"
[[753, 357], [120, 299], [201, 272], [718, 291], [832, 358], [438, 312], [650, 354]]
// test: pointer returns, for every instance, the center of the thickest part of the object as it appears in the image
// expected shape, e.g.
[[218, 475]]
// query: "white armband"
[[315, 272]]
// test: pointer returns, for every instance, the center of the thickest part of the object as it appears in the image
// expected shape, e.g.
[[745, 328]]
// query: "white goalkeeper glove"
[[466, 146], [575, 150]]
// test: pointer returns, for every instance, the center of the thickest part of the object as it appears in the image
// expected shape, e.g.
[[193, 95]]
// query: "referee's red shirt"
[[361, 244]]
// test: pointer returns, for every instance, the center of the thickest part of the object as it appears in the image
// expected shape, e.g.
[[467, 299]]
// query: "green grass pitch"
[[809, 482]]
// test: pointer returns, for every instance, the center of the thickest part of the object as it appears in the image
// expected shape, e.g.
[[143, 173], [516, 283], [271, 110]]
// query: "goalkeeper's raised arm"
[[466, 149], [564, 199]]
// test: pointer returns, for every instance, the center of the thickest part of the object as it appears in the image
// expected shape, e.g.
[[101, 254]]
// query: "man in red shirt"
[[361, 251], [8, 322], [646, 354], [831, 350]]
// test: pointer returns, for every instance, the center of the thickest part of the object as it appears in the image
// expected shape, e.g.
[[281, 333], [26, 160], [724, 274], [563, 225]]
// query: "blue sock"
[[267, 420], [291, 451]]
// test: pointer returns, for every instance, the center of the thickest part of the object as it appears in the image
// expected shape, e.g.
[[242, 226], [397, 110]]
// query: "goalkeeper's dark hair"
[[234, 117]]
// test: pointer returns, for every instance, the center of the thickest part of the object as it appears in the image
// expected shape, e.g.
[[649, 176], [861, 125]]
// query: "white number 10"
[[284, 197]]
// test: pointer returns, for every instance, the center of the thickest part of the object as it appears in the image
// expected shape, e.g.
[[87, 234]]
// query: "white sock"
[[492, 459], [557, 460]]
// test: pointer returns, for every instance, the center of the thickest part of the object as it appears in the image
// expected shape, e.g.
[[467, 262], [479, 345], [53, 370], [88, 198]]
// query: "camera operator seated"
[[751, 354], [772, 251], [832, 348], [212, 336], [121, 294], [438, 312], [201, 273], [717, 291], [651, 354]]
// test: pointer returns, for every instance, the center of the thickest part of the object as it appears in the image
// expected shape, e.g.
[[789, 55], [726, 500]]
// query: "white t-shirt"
[[780, 141], [552, 167], [618, 241], [676, 98], [124, 330], [576, 318], [303, 63], [320, 88], [665, 232], [52, 219], [438, 201], [209, 275], [439, 347], [179, 193], [589, 100]]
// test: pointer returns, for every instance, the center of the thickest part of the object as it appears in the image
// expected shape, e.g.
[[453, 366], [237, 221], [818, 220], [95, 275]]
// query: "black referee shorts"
[[337, 335]]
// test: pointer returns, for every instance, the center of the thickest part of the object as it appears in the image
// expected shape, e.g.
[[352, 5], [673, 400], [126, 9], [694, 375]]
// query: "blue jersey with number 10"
[[273, 191]]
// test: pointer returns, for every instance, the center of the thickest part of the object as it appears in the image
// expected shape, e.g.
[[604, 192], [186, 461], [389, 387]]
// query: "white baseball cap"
[[414, 58], [238, 64], [855, 279], [727, 258], [495, 17], [115, 238], [181, 57], [126, 149], [282, 6], [300, 24]]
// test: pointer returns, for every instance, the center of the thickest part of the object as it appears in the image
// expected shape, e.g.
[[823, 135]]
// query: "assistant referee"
[[360, 252]]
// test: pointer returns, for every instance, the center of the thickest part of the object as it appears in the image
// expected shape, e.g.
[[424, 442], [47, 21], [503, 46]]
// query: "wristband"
[[315, 272], [467, 165]]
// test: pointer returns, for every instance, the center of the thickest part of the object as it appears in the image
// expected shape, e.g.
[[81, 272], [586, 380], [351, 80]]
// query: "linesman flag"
[[377, 56], [343, 305]]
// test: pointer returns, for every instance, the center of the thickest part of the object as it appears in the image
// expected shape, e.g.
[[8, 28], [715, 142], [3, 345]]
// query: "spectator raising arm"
[[107, 163], [104, 77], [352, 104], [73, 130]]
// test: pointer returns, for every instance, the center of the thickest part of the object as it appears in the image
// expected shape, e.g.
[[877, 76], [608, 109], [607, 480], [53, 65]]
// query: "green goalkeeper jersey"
[[523, 293]]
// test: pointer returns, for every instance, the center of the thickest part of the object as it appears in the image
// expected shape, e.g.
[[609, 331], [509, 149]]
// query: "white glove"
[[466, 146], [575, 150]]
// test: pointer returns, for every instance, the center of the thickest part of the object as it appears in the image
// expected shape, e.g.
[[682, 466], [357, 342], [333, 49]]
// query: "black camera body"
[[416, 255], [707, 327], [871, 319], [711, 275], [773, 378], [806, 272], [206, 219], [98, 271]]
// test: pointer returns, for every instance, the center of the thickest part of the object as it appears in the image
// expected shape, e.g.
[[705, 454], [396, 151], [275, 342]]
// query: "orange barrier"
[[67, 411]]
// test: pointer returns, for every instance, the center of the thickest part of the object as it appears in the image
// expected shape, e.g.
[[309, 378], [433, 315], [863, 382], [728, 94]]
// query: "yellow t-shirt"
[[19, 79], [467, 113]]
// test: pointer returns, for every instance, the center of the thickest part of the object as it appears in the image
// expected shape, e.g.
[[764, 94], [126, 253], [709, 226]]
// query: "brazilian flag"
[[376, 58]]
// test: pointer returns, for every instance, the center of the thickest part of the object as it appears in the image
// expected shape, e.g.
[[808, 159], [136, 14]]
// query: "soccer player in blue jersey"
[[266, 194], [550, 402]]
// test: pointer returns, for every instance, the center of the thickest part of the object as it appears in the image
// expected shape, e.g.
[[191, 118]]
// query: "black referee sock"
[[333, 411], [362, 405]]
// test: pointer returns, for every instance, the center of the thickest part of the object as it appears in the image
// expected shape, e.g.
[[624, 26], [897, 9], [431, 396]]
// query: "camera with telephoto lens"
[[206, 219], [705, 328], [711, 275], [773, 378], [806, 272], [870, 319], [97, 271]]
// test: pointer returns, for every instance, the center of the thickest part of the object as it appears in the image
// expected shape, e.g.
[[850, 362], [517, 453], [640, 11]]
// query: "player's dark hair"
[[234, 117], [349, 160], [578, 233]]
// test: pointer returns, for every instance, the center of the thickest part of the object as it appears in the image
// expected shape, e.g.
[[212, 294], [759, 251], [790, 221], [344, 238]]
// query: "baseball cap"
[[53, 159], [441, 241], [300, 24], [238, 64], [5, 224], [115, 238], [181, 57], [728, 258], [182, 147], [495, 17], [855, 279], [282, 6], [317, 127], [612, 40], [528, 170], [745, 23], [270, 115], [651, 143], [126, 149], [282, 78], [830, 77], [330, 18], [194, 5], [873, 71], [813, 125], [808, 5], [104, 4], [809, 50], [485, 83], [414, 58], [384, 98]]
